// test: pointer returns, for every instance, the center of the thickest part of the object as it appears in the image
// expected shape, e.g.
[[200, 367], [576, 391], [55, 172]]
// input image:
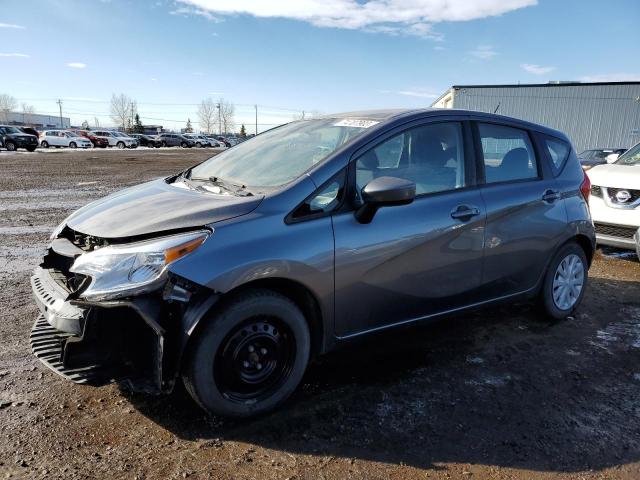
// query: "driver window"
[[432, 156]]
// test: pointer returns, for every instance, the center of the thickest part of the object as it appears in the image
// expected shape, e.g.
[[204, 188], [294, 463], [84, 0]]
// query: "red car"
[[97, 141]]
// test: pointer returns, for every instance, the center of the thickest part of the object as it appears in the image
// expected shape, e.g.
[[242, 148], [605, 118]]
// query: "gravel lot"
[[494, 394]]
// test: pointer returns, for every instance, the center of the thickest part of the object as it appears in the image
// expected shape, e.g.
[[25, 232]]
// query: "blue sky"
[[288, 56]]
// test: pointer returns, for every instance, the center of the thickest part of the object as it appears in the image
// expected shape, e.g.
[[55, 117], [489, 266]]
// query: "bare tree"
[[7, 104], [226, 115], [207, 115], [27, 113], [96, 122], [121, 107]]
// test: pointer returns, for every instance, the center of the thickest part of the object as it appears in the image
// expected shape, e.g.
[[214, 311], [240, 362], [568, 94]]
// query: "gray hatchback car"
[[235, 273]]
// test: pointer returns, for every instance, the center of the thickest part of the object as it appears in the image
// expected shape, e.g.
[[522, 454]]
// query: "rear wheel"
[[44, 144], [73, 145], [10, 146], [184, 145], [199, 145], [120, 145], [565, 282], [31, 149], [164, 144], [250, 356]]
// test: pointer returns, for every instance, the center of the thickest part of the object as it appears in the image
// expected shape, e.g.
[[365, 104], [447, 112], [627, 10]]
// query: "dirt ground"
[[495, 394]]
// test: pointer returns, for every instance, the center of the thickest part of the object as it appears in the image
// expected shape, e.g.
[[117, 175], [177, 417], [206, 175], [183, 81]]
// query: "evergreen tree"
[[137, 125], [189, 128], [243, 131]]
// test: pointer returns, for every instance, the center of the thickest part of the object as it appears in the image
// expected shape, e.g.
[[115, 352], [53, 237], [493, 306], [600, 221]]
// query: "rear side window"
[[558, 151], [508, 153]]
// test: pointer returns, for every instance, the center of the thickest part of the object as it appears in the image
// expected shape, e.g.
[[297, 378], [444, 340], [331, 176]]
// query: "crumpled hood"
[[155, 207], [614, 175]]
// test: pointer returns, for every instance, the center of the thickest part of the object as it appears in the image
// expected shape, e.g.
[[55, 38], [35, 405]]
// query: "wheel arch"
[[295, 291]]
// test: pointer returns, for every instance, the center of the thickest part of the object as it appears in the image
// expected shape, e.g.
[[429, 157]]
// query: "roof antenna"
[[497, 107]]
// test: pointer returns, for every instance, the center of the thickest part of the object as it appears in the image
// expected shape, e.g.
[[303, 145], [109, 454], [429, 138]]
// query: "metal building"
[[591, 114], [35, 120]]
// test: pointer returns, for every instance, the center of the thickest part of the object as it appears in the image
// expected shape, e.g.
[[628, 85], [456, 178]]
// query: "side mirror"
[[612, 157], [384, 192]]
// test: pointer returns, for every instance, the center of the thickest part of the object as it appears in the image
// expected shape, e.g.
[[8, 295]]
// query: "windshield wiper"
[[239, 190]]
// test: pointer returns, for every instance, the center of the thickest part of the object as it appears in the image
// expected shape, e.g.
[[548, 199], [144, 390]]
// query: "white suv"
[[116, 139], [615, 200], [62, 138]]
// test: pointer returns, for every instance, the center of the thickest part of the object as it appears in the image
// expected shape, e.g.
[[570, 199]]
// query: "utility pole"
[[302, 114], [59, 102], [256, 107], [219, 118]]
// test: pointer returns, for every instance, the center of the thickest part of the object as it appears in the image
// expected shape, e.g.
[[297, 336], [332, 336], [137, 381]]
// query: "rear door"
[[526, 218], [414, 260]]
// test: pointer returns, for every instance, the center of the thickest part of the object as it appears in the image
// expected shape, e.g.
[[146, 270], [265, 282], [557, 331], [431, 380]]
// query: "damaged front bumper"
[[137, 342]]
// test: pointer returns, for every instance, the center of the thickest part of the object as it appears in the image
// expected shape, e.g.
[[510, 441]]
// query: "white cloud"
[[612, 77], [76, 65], [536, 69], [413, 92], [393, 17], [22, 55], [483, 52], [153, 79], [11, 25], [82, 99], [186, 11]]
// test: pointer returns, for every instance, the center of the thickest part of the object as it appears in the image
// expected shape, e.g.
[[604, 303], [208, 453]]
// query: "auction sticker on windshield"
[[354, 122]]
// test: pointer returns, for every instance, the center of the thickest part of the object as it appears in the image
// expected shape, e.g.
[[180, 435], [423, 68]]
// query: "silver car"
[[234, 274]]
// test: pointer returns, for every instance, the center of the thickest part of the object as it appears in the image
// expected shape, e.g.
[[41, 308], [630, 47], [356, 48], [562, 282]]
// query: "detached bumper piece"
[[47, 344]]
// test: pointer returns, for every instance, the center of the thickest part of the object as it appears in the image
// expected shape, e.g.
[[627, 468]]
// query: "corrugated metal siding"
[[591, 115]]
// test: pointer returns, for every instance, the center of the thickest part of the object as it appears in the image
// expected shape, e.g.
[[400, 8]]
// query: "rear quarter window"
[[558, 151]]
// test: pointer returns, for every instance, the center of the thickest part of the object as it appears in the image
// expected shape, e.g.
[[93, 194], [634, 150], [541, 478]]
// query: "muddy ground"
[[495, 394]]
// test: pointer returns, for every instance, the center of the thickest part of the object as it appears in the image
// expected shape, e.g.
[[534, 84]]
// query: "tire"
[[553, 303], [120, 145], [31, 149], [73, 145], [199, 145], [10, 146], [253, 327], [184, 145], [164, 144], [44, 144]]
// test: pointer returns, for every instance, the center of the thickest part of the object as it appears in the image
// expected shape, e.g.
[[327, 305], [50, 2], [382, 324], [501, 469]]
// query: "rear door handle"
[[464, 212], [551, 195]]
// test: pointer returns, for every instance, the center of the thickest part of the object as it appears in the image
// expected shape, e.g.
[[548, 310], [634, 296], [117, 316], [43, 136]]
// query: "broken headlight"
[[123, 270]]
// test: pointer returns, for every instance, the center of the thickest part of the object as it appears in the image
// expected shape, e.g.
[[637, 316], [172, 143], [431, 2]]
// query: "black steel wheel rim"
[[254, 359]]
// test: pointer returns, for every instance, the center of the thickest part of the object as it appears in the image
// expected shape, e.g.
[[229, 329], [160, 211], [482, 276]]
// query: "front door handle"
[[464, 212], [551, 195]]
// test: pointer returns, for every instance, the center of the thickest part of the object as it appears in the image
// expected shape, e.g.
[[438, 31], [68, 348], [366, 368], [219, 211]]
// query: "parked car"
[[175, 140], [146, 140], [615, 200], [598, 156], [214, 141], [117, 139], [199, 140], [223, 141], [30, 131], [96, 141], [236, 272], [13, 138], [63, 138]]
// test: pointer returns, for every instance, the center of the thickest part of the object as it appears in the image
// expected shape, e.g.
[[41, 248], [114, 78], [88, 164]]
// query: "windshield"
[[282, 154], [630, 157], [595, 154], [120, 134], [11, 130], [72, 134]]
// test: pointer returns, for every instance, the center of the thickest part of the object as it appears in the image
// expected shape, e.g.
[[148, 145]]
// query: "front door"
[[415, 260]]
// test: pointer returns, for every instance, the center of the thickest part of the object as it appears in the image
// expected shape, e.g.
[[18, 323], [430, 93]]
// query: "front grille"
[[613, 192], [47, 344], [615, 230]]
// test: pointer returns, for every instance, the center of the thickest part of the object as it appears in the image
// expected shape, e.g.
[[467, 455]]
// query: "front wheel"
[[44, 144], [250, 356], [184, 145], [120, 145], [10, 146], [31, 149], [565, 282], [73, 145]]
